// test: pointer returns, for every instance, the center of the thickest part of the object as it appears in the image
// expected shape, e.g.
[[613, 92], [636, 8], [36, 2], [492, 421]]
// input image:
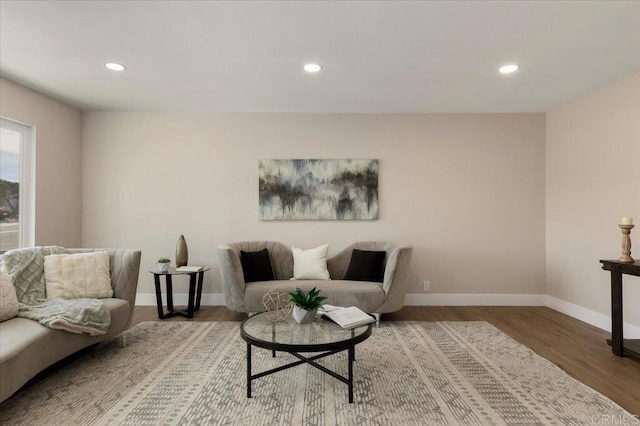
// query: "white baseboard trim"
[[457, 299], [216, 299], [180, 299], [630, 331], [594, 318]]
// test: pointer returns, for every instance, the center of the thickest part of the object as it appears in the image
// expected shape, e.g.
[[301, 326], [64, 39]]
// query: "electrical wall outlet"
[[426, 285]]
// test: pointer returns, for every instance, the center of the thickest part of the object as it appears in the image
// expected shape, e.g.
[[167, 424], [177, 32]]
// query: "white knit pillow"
[[8, 299], [81, 275], [310, 264]]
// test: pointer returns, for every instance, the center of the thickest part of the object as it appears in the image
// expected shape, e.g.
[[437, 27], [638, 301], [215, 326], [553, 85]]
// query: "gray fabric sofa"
[[372, 297], [27, 348]]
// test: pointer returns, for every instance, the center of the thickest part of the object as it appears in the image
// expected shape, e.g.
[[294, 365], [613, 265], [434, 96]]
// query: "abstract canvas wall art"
[[318, 189]]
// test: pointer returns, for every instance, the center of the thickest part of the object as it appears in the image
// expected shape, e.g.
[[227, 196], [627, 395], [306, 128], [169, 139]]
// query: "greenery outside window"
[[17, 185]]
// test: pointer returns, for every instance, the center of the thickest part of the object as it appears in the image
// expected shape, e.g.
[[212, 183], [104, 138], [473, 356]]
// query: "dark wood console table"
[[619, 346]]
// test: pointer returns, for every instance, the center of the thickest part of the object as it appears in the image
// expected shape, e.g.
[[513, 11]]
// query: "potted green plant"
[[305, 306], [163, 264]]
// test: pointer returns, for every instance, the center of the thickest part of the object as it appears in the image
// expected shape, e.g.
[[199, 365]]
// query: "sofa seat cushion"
[[17, 335], [367, 296], [28, 347], [20, 334]]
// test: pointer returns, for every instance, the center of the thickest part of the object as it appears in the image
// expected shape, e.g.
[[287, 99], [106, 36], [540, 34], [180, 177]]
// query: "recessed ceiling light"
[[508, 69], [115, 67], [312, 67]]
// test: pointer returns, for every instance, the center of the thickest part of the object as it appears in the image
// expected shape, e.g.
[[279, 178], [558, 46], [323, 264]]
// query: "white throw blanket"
[[26, 270], [76, 315]]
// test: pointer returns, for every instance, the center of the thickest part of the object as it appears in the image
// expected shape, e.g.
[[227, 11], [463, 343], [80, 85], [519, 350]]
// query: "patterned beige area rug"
[[421, 373]]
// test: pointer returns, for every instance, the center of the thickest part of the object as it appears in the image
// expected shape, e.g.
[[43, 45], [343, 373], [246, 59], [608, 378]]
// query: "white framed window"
[[17, 185]]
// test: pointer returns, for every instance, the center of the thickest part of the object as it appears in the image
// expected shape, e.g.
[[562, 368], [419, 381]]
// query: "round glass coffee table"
[[321, 336]]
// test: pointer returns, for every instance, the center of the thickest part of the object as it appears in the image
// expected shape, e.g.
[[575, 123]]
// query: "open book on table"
[[189, 269], [348, 318]]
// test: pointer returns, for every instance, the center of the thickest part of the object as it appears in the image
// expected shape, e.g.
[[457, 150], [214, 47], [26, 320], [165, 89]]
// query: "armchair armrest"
[[232, 277], [394, 283]]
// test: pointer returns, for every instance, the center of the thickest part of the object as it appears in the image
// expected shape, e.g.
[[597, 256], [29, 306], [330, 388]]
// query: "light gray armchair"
[[372, 297]]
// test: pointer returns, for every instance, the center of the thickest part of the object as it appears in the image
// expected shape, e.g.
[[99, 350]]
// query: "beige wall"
[[58, 161], [592, 179], [466, 190]]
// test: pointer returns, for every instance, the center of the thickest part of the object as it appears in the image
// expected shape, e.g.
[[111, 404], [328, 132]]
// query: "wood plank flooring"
[[576, 347]]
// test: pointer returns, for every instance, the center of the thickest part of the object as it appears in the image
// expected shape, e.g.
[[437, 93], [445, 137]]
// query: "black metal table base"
[[195, 295], [308, 360]]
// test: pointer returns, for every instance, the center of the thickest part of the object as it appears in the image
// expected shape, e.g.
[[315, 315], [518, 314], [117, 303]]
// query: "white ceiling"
[[378, 56]]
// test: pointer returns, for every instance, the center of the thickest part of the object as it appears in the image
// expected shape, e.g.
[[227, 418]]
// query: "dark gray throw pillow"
[[366, 266], [256, 266]]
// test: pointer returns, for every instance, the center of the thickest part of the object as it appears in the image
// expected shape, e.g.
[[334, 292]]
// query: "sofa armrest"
[[232, 277], [125, 268], [396, 272]]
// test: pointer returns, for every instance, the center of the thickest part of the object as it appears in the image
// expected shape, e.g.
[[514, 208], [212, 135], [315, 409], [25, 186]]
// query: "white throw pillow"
[[8, 298], [81, 275], [310, 264]]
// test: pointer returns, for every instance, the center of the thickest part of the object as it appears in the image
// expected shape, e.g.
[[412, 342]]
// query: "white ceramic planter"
[[302, 316], [163, 267]]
